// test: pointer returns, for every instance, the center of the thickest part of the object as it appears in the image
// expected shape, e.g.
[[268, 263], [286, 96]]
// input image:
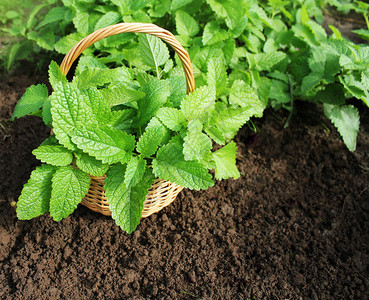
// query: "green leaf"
[[155, 134], [56, 14], [362, 33], [185, 24], [280, 91], [88, 61], [51, 140], [356, 87], [69, 187], [198, 103], [123, 119], [177, 90], [154, 52], [171, 117], [176, 4], [70, 110], [99, 105], [92, 77], [109, 18], [358, 60], [213, 34], [35, 197], [135, 170], [310, 81], [31, 101], [332, 94], [170, 165], [157, 93], [217, 75], [265, 61], [228, 121], [81, 22], [245, 96], [105, 143], [197, 145], [346, 119], [233, 11], [91, 165], [120, 93], [126, 202], [53, 155], [55, 74], [45, 38], [225, 161], [67, 42]]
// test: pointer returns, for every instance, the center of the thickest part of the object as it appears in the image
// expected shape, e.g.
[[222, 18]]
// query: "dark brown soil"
[[295, 225]]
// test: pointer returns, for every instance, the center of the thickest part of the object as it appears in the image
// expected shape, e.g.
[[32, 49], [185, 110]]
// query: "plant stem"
[[292, 101], [366, 20]]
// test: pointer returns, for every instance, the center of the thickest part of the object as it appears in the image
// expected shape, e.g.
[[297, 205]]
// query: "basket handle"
[[152, 29]]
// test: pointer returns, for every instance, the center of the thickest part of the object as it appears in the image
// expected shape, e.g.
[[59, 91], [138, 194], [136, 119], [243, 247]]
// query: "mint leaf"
[[121, 93], [217, 75], [56, 14], [44, 38], [177, 90], [154, 52], [67, 42], [31, 101], [170, 165], [233, 11], [157, 93], [171, 117], [126, 202], [46, 112], [357, 87], [98, 105], [225, 161], [135, 170], [332, 94], [105, 143], [265, 61], [347, 121], [69, 187], [213, 34], [95, 76], [228, 121], [185, 24], [198, 103], [123, 119], [81, 22], [35, 197], [91, 165], [51, 140], [55, 74], [197, 145], [109, 18], [53, 155], [70, 110], [155, 134], [245, 96], [176, 4]]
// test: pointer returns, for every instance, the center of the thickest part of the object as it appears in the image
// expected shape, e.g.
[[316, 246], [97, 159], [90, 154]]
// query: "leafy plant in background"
[[274, 52], [360, 8], [28, 35], [133, 127]]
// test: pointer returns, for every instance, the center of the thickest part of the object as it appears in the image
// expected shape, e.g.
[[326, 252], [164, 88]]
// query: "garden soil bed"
[[295, 225]]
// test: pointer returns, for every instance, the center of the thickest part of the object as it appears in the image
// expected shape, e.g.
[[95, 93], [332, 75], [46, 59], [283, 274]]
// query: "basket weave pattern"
[[162, 192]]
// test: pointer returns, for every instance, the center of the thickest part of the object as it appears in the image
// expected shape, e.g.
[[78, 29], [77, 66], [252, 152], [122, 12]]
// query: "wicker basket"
[[162, 193]]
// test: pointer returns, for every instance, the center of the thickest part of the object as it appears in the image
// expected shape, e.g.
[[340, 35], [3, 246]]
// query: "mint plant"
[[278, 49], [132, 127]]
